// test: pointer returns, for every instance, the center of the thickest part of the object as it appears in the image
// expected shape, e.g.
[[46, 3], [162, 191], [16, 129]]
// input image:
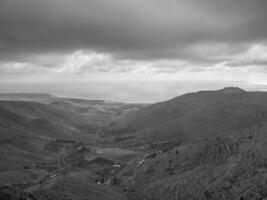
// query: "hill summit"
[[231, 90]]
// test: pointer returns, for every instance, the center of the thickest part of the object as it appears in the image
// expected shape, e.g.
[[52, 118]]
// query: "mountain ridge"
[[197, 114]]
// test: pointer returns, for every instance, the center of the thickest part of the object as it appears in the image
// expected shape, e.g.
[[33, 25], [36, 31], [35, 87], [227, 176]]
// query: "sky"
[[132, 50]]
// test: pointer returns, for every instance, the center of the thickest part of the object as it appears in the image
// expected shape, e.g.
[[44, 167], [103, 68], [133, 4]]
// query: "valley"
[[203, 145]]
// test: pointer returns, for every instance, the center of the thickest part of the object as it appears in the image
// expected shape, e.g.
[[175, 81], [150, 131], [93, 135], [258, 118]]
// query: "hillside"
[[99, 111], [204, 114], [37, 117], [198, 146], [234, 167], [26, 127], [37, 97], [51, 147]]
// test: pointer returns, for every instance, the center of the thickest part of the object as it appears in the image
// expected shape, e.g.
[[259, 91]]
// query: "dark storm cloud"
[[137, 29]]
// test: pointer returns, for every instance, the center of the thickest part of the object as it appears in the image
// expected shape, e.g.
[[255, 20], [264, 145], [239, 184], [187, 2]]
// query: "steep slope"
[[73, 186], [26, 127], [231, 168], [195, 116], [39, 117]]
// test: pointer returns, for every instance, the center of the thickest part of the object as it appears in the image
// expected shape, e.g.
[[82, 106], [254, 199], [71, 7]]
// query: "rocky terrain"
[[203, 145]]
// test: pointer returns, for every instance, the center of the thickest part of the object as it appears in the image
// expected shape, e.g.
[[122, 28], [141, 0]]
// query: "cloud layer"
[[156, 40], [129, 29]]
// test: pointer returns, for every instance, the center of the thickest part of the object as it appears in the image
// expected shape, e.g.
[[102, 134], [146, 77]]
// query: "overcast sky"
[[132, 50]]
